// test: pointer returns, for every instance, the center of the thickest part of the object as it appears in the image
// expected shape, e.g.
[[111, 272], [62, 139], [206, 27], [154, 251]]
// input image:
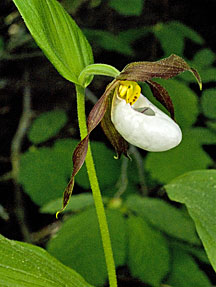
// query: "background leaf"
[[148, 256], [178, 31], [106, 167], [208, 103], [57, 35], [204, 58], [188, 156], [127, 8], [44, 172], [165, 217], [82, 231], [185, 271], [108, 41], [121, 42], [46, 126], [77, 202], [197, 190], [26, 265]]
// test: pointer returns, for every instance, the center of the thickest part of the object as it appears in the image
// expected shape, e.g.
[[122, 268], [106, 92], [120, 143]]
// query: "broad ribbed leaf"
[[197, 190], [57, 35], [25, 265]]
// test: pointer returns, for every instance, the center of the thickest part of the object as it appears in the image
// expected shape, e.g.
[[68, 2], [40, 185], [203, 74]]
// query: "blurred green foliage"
[[127, 8], [46, 126]]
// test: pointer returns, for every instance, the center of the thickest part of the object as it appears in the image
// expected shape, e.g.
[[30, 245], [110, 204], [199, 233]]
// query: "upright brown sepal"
[[118, 142], [165, 69]]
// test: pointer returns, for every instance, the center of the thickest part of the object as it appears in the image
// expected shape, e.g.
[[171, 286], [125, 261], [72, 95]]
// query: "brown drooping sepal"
[[165, 68], [118, 142], [161, 94], [79, 155]]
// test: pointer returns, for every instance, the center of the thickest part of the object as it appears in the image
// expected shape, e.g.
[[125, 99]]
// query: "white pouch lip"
[[155, 133]]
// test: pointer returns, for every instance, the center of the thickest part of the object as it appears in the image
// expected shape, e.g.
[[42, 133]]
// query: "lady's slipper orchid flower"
[[127, 116], [140, 122]]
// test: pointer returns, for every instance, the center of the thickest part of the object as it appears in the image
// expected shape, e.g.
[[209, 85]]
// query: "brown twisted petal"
[[161, 94], [79, 155]]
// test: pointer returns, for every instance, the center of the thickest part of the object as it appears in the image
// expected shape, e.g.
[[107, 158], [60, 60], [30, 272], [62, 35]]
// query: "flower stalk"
[[96, 190]]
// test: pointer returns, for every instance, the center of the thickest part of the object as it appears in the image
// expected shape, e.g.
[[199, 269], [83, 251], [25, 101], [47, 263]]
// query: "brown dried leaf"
[[165, 69], [118, 142], [161, 94]]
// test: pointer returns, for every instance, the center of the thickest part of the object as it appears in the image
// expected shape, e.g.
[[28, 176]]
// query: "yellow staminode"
[[129, 91]]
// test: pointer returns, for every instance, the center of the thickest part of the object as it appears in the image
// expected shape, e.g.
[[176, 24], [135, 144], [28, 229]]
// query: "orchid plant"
[[126, 116]]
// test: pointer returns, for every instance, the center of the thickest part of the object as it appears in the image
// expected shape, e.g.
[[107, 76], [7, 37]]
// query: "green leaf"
[[197, 190], [164, 217], [208, 75], [25, 265], [185, 271], [188, 156], [128, 8], [78, 202], [108, 41], [212, 125], [204, 58], [78, 244], [46, 126], [191, 249], [208, 103], [42, 175], [164, 33], [131, 35], [57, 35], [186, 32], [148, 256], [106, 165], [44, 172], [120, 42], [178, 31]]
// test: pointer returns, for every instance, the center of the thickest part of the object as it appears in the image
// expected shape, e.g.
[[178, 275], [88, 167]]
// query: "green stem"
[[96, 190]]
